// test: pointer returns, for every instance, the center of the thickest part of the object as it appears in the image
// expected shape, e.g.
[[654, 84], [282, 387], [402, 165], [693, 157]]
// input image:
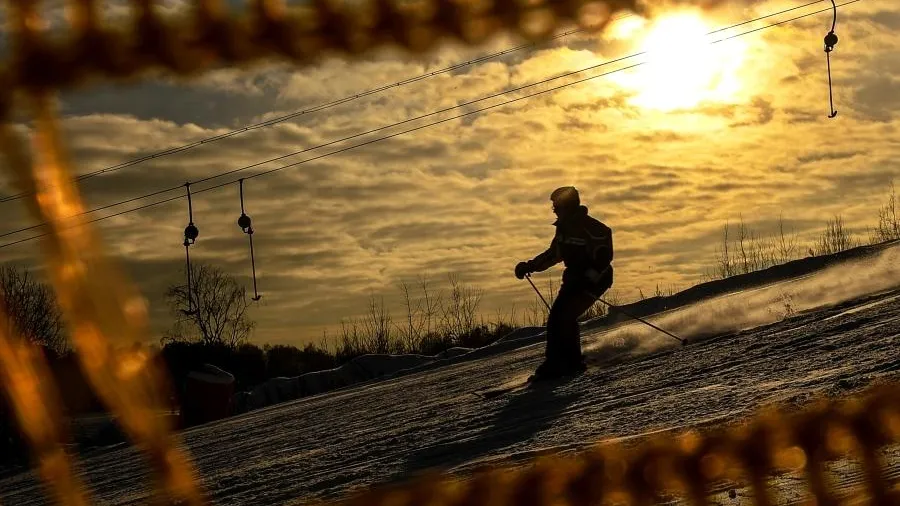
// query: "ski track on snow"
[[326, 446]]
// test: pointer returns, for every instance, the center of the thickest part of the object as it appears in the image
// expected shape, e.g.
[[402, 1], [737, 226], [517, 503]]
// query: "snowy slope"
[[323, 446], [812, 281], [642, 382]]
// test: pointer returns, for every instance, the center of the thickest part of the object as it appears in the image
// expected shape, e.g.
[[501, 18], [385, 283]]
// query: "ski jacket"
[[583, 244]]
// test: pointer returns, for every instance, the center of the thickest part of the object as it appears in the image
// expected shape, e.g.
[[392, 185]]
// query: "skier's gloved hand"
[[523, 268]]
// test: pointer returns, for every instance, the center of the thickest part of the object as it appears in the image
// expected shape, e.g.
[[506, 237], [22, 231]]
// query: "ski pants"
[[563, 333]]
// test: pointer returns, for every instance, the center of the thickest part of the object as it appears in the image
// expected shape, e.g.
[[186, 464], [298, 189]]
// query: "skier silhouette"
[[585, 246]]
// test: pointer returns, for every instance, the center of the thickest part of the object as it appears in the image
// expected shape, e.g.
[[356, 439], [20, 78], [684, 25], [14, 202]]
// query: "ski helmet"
[[565, 197]]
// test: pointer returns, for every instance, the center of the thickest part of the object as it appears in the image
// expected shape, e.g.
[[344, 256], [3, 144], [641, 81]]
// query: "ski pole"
[[645, 322], [528, 277]]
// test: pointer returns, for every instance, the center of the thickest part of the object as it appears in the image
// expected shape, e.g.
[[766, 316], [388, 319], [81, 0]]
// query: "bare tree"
[[410, 331], [725, 260], [213, 311], [33, 311], [431, 304], [835, 238], [888, 227], [764, 251], [460, 316], [742, 238], [351, 339], [508, 320], [785, 245], [377, 328], [420, 315]]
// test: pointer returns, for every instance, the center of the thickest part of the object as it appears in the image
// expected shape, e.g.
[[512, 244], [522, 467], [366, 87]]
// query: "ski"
[[521, 385], [505, 387]]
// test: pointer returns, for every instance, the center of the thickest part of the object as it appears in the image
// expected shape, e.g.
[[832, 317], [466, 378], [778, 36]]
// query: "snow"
[[830, 333]]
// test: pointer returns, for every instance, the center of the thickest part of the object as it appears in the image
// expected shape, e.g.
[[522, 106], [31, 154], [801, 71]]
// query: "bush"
[[888, 228]]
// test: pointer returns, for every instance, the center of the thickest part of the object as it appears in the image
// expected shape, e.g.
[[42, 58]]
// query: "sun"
[[683, 68]]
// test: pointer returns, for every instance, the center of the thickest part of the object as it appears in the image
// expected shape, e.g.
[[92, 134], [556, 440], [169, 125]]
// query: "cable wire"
[[317, 108], [392, 125], [333, 103], [396, 134]]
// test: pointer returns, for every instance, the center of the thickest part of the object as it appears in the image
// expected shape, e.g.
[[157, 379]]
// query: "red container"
[[207, 396]]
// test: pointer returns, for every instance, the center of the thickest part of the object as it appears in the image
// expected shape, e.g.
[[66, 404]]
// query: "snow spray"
[[743, 309]]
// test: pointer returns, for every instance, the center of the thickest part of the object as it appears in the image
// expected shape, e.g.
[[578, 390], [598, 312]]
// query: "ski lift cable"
[[392, 125], [316, 108], [386, 137]]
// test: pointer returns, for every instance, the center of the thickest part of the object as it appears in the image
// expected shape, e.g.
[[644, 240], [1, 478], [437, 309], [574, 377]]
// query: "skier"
[[585, 246]]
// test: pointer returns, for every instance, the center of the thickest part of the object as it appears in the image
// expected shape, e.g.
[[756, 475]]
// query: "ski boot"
[[557, 370]]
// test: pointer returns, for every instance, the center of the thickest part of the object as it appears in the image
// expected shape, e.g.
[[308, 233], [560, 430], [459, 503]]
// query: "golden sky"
[[664, 154]]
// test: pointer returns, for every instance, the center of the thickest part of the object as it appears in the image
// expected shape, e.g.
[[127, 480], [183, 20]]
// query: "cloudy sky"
[[664, 154]]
